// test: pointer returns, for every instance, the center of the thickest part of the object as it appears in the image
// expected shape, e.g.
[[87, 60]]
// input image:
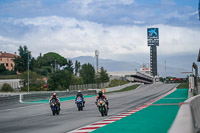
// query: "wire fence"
[[88, 86]]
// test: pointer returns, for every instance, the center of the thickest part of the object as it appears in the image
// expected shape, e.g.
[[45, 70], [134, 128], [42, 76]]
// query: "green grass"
[[116, 82], [61, 99], [183, 85], [153, 119], [127, 88], [10, 77]]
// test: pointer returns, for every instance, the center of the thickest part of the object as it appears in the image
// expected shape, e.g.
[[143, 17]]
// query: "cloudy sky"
[[117, 28]]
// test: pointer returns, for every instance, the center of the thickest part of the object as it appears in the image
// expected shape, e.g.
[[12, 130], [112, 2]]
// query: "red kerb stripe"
[[85, 128]]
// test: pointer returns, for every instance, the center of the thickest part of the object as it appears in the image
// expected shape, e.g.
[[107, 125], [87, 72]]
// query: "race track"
[[37, 118]]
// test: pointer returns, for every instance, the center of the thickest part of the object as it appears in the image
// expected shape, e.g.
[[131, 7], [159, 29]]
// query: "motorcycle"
[[55, 107], [79, 103], [101, 104]]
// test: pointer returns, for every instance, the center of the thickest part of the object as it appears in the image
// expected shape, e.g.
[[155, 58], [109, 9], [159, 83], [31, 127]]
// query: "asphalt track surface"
[[37, 118]]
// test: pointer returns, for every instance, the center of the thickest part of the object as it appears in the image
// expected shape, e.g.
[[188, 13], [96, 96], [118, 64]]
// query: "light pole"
[[28, 71]]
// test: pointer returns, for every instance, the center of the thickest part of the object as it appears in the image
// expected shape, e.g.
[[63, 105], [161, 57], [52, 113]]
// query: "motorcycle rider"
[[101, 96], [56, 99], [79, 94]]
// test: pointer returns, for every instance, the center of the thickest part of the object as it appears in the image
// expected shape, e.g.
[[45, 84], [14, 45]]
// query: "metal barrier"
[[188, 117]]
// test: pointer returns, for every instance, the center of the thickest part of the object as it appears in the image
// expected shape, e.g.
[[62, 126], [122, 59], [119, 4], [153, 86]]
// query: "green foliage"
[[87, 72], [49, 59], [117, 82], [9, 76], [2, 68], [59, 80], [6, 88], [69, 66], [102, 76], [77, 67], [35, 81], [4, 71], [21, 62], [161, 79], [76, 80], [183, 85]]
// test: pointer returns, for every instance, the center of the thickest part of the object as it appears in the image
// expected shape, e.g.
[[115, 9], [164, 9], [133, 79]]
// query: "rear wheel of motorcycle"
[[102, 114], [53, 112], [58, 112]]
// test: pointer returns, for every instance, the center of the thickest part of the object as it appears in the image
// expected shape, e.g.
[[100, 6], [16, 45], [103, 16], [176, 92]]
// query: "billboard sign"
[[152, 33], [199, 9], [153, 36], [153, 42]]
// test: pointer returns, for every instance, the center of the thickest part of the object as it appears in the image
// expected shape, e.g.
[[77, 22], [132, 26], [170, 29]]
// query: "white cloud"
[[71, 38]]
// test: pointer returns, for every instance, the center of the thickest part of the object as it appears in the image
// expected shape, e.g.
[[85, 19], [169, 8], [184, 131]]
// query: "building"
[[14, 83], [132, 76], [8, 60], [145, 69]]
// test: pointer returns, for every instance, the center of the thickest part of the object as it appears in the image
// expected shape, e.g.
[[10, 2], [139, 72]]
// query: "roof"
[[198, 58], [7, 55]]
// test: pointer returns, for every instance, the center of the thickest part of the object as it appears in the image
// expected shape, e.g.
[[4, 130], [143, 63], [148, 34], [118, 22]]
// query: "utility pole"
[[97, 60], [28, 71], [55, 65], [165, 69]]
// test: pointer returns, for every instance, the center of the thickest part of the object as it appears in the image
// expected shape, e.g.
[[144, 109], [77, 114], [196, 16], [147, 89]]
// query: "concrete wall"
[[188, 117]]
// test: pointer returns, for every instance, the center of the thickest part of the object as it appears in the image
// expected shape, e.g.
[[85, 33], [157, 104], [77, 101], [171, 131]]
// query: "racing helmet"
[[100, 93], [54, 95]]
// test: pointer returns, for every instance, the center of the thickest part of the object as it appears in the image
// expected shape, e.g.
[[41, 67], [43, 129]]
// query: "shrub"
[[6, 88]]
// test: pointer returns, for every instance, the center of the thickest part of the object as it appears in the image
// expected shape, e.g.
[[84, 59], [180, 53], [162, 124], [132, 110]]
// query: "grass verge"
[[183, 86], [126, 89]]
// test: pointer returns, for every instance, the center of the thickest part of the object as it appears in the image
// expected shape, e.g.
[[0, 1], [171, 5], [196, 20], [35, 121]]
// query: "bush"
[[6, 88]]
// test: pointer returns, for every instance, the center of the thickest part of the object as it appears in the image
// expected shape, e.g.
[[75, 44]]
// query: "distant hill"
[[113, 65]]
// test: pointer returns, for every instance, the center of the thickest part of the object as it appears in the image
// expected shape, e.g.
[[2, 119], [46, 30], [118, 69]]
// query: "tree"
[[7, 88], [4, 71], [59, 80], [2, 68], [21, 62], [77, 67], [87, 72], [103, 76], [35, 81], [69, 66], [51, 58], [76, 80]]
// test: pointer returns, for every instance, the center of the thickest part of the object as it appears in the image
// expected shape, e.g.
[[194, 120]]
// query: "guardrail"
[[9, 99], [188, 117], [25, 97], [47, 95]]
